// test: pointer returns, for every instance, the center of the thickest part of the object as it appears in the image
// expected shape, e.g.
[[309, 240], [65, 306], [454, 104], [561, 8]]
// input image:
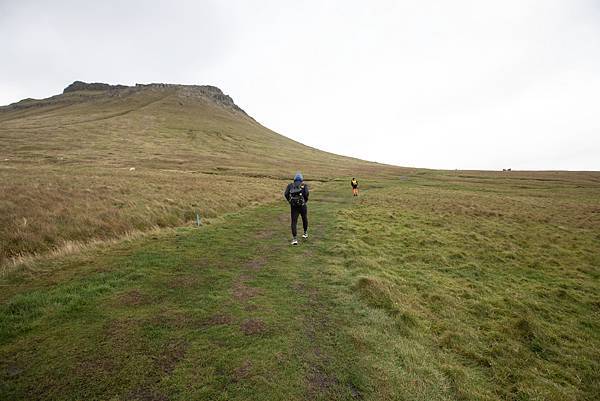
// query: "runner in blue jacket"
[[296, 194]]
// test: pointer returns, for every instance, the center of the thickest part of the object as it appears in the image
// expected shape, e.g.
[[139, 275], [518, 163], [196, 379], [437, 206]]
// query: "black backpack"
[[296, 195]]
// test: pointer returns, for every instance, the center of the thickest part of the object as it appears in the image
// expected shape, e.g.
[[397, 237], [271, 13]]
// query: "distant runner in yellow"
[[354, 184]]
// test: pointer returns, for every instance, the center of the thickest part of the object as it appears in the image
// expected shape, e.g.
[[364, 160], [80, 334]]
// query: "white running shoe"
[[305, 235], [294, 241]]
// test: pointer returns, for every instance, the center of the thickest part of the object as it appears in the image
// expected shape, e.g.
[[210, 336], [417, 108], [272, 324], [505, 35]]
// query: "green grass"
[[432, 287], [504, 295]]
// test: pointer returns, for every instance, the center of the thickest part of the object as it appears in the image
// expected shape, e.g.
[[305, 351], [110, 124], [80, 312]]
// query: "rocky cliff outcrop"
[[209, 92], [96, 86]]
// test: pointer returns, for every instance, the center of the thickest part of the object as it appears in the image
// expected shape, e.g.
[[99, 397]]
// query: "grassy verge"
[[487, 291], [65, 204], [420, 289]]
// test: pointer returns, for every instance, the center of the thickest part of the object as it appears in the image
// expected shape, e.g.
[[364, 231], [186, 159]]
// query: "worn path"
[[230, 311]]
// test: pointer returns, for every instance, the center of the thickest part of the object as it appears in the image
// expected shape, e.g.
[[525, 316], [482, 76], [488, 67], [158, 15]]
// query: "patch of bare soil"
[[164, 363], [121, 331], [319, 382], [264, 234], [97, 366], [355, 392], [13, 370], [173, 352], [307, 253], [244, 278], [252, 327], [242, 372], [242, 292], [133, 298], [256, 263], [299, 287]]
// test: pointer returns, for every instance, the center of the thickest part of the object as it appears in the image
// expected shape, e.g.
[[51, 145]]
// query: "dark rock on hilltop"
[[96, 86], [198, 91]]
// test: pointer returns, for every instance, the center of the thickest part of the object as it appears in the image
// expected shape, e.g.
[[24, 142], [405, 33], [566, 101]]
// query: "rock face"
[[212, 93], [96, 86]]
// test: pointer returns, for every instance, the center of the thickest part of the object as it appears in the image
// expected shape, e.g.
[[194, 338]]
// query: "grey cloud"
[[464, 84]]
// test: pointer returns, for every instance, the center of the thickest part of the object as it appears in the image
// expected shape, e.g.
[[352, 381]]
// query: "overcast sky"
[[440, 84]]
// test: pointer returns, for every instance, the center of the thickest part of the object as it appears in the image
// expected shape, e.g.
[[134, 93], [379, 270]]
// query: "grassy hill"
[[65, 163], [431, 285]]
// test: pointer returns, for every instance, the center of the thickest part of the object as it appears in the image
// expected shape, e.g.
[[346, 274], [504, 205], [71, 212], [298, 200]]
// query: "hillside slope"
[[66, 163], [157, 126]]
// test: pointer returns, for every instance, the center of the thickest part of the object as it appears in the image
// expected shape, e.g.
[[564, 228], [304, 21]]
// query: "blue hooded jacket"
[[297, 183]]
